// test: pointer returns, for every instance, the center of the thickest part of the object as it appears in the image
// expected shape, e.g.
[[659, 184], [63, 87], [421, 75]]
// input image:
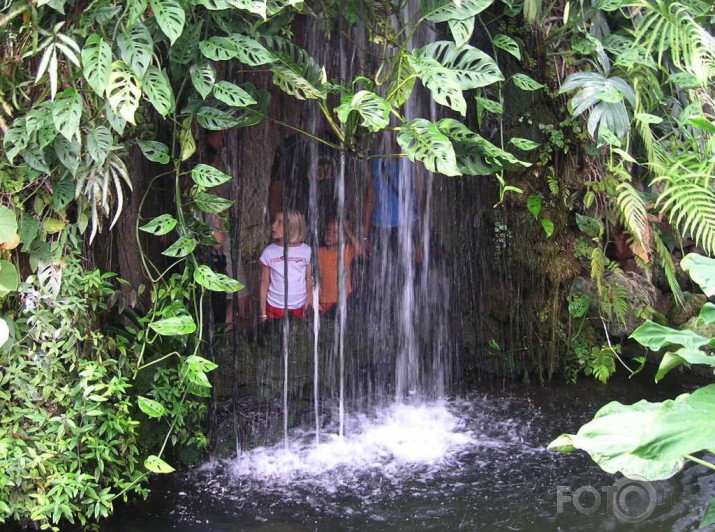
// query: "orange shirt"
[[328, 264]]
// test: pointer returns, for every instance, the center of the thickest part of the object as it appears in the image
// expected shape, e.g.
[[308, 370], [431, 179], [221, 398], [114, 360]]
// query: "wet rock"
[[678, 315]]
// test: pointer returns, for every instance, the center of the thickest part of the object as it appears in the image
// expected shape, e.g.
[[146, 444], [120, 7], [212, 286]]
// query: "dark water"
[[474, 463]]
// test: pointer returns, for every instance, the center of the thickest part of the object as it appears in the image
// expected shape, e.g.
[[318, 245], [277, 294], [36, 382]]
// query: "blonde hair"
[[294, 226]]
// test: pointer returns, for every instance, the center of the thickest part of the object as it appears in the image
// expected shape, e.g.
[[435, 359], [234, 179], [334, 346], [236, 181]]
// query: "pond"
[[477, 462]]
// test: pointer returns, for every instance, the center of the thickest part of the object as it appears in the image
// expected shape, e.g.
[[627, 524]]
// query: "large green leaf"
[[250, 52], [184, 50], [614, 435], [68, 152], [211, 203], [136, 48], [471, 67], [682, 356], [444, 10], [461, 30], [150, 407], [67, 113], [507, 44], [136, 9], [157, 465], [97, 63], [208, 176], [170, 16], [123, 91], [157, 152], [707, 314], [215, 119], [175, 326], [213, 5], [373, 109], [655, 336], [63, 193], [203, 76], [9, 278], [442, 83], [256, 7], [99, 143], [8, 224], [15, 139], [701, 270], [294, 71], [216, 282], [423, 141], [232, 95], [182, 247], [158, 90], [195, 368], [219, 48], [475, 154], [403, 79], [160, 225]]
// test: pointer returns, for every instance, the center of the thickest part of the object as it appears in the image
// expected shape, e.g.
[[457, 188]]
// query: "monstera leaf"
[[185, 48], [67, 112], [475, 154], [136, 48], [157, 152], [158, 90], [215, 119], [423, 141], [442, 83], [123, 91], [250, 52], [232, 95], [294, 71], [461, 30], [444, 10], [203, 76], [97, 63], [373, 109], [605, 97], [402, 81], [471, 67], [170, 16], [208, 176], [218, 48], [216, 282], [99, 143]]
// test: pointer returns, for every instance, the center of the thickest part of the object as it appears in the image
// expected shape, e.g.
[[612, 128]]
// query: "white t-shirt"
[[298, 263]]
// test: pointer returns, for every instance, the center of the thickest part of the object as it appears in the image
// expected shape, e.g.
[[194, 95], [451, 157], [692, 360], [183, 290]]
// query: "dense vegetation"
[[87, 378]]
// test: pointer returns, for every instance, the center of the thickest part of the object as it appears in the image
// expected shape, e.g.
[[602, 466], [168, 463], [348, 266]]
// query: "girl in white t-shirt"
[[273, 298]]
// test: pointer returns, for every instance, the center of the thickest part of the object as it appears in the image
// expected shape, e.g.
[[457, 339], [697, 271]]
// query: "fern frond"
[[666, 262], [690, 207], [598, 266], [671, 27], [632, 212], [553, 184]]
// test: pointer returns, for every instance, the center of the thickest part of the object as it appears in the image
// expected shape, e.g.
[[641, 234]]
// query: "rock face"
[[627, 294]]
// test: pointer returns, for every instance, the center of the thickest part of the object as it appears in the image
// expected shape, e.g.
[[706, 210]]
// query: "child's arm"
[[352, 239], [309, 286], [263, 297]]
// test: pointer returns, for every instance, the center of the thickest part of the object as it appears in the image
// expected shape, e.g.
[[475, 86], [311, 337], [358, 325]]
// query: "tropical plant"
[[654, 440]]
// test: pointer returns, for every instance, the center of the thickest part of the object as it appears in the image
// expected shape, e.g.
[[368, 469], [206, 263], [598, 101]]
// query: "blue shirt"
[[386, 179]]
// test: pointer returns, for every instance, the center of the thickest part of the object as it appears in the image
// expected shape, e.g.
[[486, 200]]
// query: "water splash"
[[400, 436]]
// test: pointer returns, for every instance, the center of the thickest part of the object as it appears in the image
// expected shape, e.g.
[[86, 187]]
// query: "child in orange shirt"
[[328, 265]]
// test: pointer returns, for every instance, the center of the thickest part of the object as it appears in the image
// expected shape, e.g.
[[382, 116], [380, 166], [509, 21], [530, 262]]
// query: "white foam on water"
[[400, 436]]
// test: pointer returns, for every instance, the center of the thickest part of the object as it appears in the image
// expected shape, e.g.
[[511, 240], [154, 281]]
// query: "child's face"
[[331, 234], [277, 227]]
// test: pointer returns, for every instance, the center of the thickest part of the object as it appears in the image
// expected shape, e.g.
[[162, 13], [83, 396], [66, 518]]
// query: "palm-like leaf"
[[605, 96]]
